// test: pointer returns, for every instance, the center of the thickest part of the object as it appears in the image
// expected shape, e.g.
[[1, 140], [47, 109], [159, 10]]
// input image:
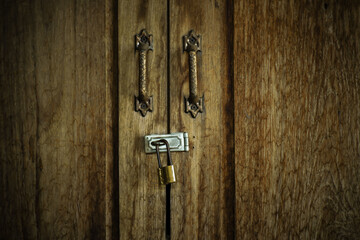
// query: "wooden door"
[[274, 155], [142, 206], [203, 200]]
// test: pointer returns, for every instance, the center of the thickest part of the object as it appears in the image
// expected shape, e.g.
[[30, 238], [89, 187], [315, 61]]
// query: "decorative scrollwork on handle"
[[193, 104], [143, 43]]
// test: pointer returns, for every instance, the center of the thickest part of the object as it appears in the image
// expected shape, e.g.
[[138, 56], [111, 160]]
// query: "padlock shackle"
[[158, 155], [158, 144]]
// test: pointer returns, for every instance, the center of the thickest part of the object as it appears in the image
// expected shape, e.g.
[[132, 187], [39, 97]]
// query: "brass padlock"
[[167, 173]]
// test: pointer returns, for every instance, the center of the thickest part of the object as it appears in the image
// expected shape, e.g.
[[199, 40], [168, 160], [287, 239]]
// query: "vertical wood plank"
[[53, 98], [202, 201], [17, 124], [112, 120], [297, 119], [141, 198]]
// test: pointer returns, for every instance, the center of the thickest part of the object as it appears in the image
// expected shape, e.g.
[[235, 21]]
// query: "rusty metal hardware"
[[178, 142], [192, 44], [143, 43], [166, 173]]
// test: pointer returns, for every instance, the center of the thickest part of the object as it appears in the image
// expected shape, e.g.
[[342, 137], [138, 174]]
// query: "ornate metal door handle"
[[193, 104], [143, 43]]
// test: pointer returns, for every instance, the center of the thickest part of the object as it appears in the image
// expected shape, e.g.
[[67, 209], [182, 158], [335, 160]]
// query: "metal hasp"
[[143, 43], [178, 142], [192, 44]]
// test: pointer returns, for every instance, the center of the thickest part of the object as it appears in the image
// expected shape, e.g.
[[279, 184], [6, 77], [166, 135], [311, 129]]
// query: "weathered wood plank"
[[18, 116], [141, 198], [297, 119], [53, 122], [112, 121], [202, 201]]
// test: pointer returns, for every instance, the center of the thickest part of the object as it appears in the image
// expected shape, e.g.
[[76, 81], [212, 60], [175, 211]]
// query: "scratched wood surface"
[[141, 198], [202, 201], [275, 155], [53, 123], [297, 119]]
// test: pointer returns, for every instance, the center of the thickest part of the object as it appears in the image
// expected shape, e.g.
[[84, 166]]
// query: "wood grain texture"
[[297, 119], [53, 124], [275, 155], [141, 198], [202, 201], [112, 121]]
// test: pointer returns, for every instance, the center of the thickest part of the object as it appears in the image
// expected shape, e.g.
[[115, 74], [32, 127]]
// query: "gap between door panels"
[[168, 187], [112, 113]]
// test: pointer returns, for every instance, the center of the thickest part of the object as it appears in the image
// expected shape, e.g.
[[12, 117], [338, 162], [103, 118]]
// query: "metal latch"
[[178, 142]]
